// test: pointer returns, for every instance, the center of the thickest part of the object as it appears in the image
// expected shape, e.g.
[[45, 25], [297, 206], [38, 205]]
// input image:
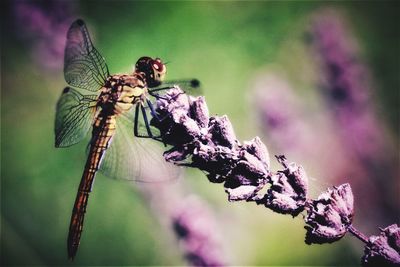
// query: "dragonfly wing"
[[84, 67], [134, 158], [74, 117], [189, 86]]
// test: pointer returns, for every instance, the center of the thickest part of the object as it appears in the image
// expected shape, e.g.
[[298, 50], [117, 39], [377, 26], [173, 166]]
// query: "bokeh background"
[[317, 81]]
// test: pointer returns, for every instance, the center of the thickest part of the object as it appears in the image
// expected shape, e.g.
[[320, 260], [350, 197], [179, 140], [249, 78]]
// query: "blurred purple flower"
[[191, 220], [347, 86], [330, 215], [383, 250], [198, 233], [280, 112], [44, 24], [292, 126]]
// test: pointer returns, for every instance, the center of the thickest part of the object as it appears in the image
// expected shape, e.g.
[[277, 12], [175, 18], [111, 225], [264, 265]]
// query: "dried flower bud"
[[222, 131], [298, 179], [213, 159], [245, 180], [383, 250], [199, 111], [257, 148], [247, 177], [288, 191], [189, 125], [244, 192], [330, 215], [251, 165]]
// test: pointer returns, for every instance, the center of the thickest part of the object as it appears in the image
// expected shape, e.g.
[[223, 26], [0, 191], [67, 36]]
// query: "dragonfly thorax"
[[121, 92]]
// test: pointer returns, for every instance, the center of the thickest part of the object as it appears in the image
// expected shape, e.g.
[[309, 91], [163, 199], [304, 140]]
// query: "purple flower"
[[44, 24], [384, 249], [330, 215]]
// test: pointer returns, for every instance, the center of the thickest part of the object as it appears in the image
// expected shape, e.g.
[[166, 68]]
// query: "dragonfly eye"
[[159, 70], [154, 70], [157, 65]]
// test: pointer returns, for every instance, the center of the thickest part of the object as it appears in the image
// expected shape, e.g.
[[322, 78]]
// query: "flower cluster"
[[209, 143]]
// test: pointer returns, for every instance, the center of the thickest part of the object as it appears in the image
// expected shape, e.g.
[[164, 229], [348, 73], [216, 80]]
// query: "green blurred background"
[[223, 44]]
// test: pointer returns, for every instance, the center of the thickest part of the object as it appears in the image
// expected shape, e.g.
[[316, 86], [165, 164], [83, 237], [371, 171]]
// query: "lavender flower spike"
[[330, 215], [383, 250], [210, 144]]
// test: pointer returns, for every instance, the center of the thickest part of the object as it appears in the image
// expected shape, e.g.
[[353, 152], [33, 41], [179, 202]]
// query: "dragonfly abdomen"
[[103, 131]]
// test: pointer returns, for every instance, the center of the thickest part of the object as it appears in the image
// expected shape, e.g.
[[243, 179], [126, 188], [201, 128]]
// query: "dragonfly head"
[[154, 70]]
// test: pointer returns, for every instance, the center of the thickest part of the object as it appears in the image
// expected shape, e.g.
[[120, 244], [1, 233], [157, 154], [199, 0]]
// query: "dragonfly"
[[110, 106]]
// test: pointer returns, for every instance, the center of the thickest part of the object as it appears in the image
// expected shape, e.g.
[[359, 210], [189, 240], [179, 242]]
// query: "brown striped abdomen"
[[103, 130]]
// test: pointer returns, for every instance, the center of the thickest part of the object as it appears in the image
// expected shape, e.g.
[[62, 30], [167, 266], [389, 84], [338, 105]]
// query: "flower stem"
[[358, 234]]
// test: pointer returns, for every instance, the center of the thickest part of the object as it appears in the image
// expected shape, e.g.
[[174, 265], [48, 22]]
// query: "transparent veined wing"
[[134, 158], [84, 67], [74, 117]]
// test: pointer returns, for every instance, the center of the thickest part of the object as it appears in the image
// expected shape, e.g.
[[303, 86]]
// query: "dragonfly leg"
[[146, 122], [136, 124], [153, 93], [157, 96], [161, 88], [153, 112]]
